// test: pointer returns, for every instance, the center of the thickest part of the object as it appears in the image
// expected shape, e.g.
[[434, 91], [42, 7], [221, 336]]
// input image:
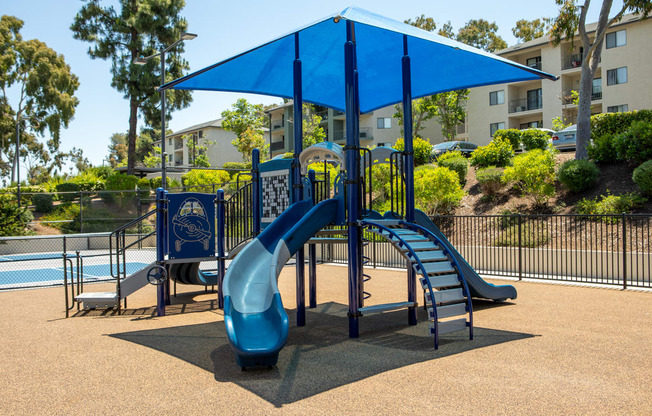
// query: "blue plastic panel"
[[191, 225]]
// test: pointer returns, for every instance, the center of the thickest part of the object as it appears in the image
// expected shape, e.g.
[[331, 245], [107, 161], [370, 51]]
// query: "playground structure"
[[256, 323]]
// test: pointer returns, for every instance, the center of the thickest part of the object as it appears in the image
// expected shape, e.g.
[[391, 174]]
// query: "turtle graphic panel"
[[191, 225]]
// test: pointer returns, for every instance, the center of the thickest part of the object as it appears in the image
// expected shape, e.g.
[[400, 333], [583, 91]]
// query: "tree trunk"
[[584, 113], [131, 139]]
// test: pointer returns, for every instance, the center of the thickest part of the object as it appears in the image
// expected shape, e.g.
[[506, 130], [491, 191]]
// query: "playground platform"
[[556, 349]]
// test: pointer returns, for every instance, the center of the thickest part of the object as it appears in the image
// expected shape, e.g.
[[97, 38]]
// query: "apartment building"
[[622, 82], [210, 134], [377, 128]]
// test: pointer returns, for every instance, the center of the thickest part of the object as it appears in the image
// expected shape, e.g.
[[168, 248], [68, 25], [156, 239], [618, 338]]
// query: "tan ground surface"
[[555, 350]]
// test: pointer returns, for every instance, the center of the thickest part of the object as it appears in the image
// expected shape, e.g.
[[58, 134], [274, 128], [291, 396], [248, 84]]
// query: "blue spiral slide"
[[256, 323]]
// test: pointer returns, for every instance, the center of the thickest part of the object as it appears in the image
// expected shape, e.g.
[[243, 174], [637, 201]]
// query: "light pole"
[[142, 61], [18, 118]]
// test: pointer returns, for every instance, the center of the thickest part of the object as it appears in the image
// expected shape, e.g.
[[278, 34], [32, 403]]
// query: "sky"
[[225, 28]]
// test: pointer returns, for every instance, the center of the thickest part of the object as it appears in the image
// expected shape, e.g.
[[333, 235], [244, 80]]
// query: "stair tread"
[[92, 296], [434, 255], [447, 311], [449, 326], [444, 280], [427, 245], [437, 267], [447, 296]]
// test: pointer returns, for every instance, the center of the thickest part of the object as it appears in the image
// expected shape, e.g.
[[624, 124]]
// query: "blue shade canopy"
[[438, 64]]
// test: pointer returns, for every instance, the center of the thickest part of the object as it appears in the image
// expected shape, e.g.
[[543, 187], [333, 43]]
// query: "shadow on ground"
[[319, 356]]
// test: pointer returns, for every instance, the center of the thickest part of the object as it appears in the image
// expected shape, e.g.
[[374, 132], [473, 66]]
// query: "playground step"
[[386, 307], [437, 282], [432, 255], [425, 246], [449, 295], [449, 326], [327, 240], [324, 233], [437, 267], [97, 300], [447, 311], [413, 238]]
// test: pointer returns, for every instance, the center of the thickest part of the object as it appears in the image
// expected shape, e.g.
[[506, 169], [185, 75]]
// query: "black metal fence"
[[599, 249]]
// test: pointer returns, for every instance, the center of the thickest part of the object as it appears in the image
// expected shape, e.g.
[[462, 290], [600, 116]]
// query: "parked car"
[[565, 139], [465, 148]]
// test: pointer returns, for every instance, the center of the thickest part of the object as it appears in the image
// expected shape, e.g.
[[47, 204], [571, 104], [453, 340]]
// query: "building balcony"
[[277, 124], [274, 146], [525, 104], [571, 61], [323, 114], [366, 133], [178, 144], [567, 96]]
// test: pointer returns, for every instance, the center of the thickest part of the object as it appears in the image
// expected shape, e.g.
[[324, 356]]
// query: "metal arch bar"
[[297, 194]]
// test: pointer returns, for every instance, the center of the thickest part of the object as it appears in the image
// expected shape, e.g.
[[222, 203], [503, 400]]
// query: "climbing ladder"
[[446, 292]]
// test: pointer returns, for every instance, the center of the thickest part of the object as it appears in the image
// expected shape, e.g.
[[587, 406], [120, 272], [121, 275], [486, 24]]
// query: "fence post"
[[624, 251], [81, 208], [520, 247]]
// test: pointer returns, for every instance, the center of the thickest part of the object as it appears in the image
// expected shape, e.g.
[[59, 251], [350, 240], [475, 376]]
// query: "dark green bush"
[[119, 182], [26, 192], [513, 135], [602, 149], [642, 177], [616, 123], [498, 153], [457, 164], [535, 139], [43, 202], [635, 144], [13, 219], [490, 180], [155, 183], [578, 175], [68, 187]]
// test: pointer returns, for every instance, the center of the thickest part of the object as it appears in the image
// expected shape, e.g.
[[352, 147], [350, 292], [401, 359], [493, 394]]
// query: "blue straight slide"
[[256, 323], [478, 287]]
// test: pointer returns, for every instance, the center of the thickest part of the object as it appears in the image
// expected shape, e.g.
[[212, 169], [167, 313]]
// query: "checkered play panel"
[[276, 193]]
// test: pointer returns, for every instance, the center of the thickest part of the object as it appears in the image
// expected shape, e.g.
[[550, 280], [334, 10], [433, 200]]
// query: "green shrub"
[[437, 190], [490, 180], [513, 135], [616, 123], [193, 180], [635, 144], [458, 164], [450, 155], [331, 169], [144, 186], [26, 192], [610, 205], [533, 234], [156, 183], [102, 172], [642, 177], [535, 139], [119, 182], [498, 153], [602, 149], [13, 219], [88, 182], [533, 174], [578, 175], [240, 166], [68, 187], [422, 150], [43, 202]]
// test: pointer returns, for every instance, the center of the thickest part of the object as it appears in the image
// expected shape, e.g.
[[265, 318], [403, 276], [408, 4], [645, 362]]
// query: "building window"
[[534, 62], [170, 141], [497, 97], [201, 134], [616, 39], [384, 122], [535, 99], [531, 125], [617, 108], [617, 76], [496, 126]]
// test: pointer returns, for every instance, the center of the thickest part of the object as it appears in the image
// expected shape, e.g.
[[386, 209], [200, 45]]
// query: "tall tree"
[[527, 30], [45, 90], [246, 120], [572, 20], [313, 133], [481, 34], [138, 28]]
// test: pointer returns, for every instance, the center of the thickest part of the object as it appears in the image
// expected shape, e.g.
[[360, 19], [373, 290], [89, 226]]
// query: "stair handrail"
[[118, 248], [451, 258]]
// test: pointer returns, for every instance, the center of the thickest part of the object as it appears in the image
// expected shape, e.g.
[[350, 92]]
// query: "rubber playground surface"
[[556, 349]]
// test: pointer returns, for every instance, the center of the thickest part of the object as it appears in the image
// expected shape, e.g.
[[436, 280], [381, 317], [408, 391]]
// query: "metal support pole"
[[221, 229], [624, 251], [18, 159], [352, 178], [409, 170], [520, 247], [163, 158], [297, 186], [255, 190], [160, 247], [312, 251]]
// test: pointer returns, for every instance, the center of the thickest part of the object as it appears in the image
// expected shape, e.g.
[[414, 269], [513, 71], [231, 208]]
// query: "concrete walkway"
[[555, 350]]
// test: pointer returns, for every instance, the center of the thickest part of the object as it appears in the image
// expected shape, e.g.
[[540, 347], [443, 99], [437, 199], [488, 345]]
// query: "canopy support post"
[[352, 179], [408, 153], [297, 185]]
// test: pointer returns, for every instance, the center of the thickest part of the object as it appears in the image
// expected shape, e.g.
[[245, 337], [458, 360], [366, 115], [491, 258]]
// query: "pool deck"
[[557, 349]]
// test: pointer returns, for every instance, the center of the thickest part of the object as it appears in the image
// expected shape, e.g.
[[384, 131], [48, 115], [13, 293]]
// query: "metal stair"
[[445, 291]]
